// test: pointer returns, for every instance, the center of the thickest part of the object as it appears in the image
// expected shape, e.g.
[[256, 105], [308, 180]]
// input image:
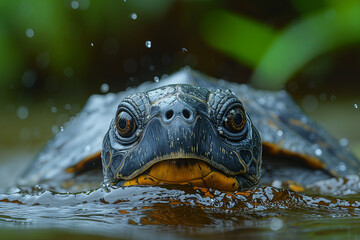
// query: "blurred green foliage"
[[276, 56], [54, 39], [305, 40], [244, 39], [52, 48]]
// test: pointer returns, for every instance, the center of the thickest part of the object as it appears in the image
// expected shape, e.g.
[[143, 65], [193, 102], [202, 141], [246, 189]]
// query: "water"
[[133, 16], [29, 32], [183, 212], [22, 112], [104, 88], [148, 44], [184, 50], [74, 5]]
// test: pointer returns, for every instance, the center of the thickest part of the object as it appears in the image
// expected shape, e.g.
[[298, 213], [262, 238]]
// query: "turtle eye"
[[125, 124], [235, 120]]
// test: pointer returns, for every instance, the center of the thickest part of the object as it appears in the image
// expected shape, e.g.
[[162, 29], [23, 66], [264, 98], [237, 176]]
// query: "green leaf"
[[306, 39], [242, 38]]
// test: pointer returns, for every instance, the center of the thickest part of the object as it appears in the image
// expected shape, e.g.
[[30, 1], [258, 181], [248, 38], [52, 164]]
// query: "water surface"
[[183, 212]]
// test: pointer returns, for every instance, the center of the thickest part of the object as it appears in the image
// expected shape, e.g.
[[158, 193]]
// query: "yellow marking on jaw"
[[197, 173], [169, 171]]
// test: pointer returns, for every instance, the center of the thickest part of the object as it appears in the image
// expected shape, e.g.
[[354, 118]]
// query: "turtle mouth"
[[185, 171]]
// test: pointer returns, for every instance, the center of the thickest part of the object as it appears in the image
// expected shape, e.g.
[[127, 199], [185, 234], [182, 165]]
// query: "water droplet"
[[156, 79], [280, 133], [29, 32], [92, 44], [148, 44], [333, 98], [277, 183], [22, 112], [184, 50], [342, 167], [220, 131], [133, 16], [318, 152], [344, 142], [87, 148], [67, 106], [152, 68], [53, 109], [106, 185], [61, 129], [74, 4], [276, 224], [104, 88], [356, 105], [28, 79]]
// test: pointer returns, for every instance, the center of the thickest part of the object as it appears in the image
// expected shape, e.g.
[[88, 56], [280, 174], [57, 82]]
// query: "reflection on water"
[[182, 212]]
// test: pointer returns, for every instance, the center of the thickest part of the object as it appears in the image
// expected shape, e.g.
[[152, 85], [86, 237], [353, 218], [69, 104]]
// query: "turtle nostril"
[[186, 113], [169, 114]]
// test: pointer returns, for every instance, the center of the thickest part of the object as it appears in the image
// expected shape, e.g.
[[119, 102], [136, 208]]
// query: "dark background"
[[55, 54]]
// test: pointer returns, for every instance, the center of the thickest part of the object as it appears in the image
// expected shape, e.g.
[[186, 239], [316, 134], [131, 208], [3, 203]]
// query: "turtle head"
[[182, 134]]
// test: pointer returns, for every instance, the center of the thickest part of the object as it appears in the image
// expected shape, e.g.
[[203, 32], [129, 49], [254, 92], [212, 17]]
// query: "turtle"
[[189, 129]]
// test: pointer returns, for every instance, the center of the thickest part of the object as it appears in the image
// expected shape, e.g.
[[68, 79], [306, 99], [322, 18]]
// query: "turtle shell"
[[284, 129]]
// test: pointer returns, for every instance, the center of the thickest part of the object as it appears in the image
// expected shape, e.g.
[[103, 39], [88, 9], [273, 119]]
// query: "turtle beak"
[[185, 171]]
